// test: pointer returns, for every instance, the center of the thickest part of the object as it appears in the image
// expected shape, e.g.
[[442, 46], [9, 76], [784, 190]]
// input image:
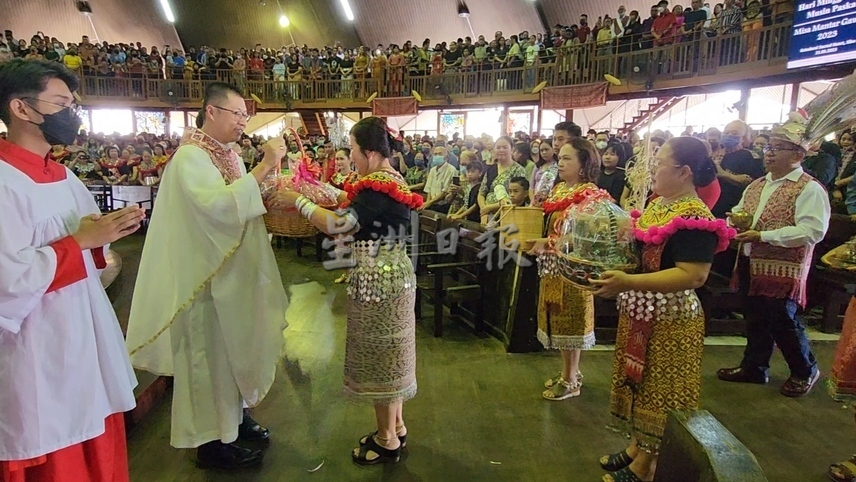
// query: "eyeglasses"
[[74, 107], [773, 150], [238, 114], [657, 167]]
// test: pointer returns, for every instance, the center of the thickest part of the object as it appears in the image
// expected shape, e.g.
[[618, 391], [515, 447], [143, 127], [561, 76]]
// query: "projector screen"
[[824, 32]]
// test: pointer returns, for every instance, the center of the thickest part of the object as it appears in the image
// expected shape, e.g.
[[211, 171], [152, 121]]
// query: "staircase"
[[313, 122], [651, 113]]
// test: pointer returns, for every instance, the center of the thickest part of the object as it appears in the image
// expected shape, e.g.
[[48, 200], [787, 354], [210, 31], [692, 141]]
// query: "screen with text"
[[824, 33]]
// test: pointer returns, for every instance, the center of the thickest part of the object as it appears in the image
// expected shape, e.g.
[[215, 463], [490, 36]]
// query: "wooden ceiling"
[[396, 21], [114, 21], [243, 23]]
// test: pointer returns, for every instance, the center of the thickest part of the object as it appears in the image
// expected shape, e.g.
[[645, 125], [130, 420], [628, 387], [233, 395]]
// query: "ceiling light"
[[463, 10], [167, 10], [283, 21], [348, 12]]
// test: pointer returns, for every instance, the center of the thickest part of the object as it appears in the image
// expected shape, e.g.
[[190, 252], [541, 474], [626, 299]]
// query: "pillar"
[[795, 96], [569, 115], [167, 122], [743, 106]]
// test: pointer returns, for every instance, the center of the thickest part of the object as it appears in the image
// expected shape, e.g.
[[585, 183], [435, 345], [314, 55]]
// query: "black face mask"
[[60, 127]]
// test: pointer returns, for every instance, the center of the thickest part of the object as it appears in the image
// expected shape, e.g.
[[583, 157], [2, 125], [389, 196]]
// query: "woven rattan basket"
[[529, 222], [288, 222]]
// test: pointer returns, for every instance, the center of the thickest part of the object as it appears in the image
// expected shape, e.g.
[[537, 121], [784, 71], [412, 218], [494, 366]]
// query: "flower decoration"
[[661, 234], [386, 184]]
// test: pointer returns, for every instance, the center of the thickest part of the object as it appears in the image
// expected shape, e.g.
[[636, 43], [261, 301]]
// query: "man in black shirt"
[[452, 58], [737, 169], [647, 26]]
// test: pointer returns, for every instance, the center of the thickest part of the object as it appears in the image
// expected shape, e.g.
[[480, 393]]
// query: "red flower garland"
[[386, 185], [578, 197], [661, 234]]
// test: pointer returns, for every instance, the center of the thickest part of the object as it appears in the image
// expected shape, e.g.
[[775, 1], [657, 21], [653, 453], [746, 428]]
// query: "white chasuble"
[[209, 305]]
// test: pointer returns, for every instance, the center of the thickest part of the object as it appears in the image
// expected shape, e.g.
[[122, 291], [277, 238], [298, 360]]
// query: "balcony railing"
[[695, 56]]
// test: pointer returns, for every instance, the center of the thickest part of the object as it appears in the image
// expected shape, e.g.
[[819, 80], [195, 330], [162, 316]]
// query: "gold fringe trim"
[[196, 292]]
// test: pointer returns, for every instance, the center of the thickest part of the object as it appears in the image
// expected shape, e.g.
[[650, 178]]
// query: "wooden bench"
[[697, 448], [717, 297], [453, 280]]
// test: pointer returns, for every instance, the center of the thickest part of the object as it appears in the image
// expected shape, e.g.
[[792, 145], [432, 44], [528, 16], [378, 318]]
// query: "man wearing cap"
[[790, 214]]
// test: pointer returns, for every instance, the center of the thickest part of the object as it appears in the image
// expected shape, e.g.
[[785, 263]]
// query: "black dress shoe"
[[251, 431], [217, 455], [739, 375]]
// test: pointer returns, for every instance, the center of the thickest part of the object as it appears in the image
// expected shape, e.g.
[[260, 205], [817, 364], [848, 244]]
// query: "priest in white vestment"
[[65, 377], [209, 304]]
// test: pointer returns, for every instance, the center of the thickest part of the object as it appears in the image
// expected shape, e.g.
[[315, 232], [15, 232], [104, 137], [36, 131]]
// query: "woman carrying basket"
[[380, 350], [658, 348], [565, 312]]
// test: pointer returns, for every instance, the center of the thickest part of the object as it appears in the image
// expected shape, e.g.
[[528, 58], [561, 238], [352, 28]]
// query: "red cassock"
[[102, 459]]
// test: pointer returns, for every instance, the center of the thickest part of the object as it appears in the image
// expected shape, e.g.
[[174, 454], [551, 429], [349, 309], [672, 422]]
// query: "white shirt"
[[709, 16], [439, 180], [811, 217], [63, 363]]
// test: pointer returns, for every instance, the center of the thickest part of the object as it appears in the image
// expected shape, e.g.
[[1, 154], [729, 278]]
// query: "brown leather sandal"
[[843, 471], [798, 387]]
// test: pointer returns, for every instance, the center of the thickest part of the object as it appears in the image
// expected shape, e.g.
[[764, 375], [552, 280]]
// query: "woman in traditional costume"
[[565, 312], [147, 172], [380, 349], [114, 170], [658, 348], [345, 173], [842, 383]]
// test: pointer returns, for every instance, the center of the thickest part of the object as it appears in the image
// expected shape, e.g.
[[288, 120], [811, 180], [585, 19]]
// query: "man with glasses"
[[209, 305], [790, 214], [736, 168], [66, 379]]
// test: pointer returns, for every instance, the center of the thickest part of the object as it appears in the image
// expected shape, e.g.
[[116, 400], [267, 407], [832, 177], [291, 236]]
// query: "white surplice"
[[63, 364], [209, 304]]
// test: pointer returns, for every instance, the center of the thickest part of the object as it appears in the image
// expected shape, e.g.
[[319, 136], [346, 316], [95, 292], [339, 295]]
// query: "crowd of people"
[[388, 65], [444, 169], [189, 311]]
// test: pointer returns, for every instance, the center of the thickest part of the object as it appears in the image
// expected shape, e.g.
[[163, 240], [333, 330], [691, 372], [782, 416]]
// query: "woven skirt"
[[380, 346], [565, 315], [671, 379]]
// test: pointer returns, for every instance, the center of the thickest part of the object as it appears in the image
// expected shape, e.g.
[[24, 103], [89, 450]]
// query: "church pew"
[[697, 448]]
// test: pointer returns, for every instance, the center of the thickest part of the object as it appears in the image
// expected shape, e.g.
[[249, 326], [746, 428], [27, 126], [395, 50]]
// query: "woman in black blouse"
[[380, 350], [658, 347]]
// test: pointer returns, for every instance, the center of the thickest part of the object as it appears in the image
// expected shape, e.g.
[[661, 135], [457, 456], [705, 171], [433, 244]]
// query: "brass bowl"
[[741, 220]]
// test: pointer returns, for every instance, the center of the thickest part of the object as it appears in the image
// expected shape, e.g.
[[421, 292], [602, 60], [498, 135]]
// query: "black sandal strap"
[[617, 461], [385, 455], [625, 475]]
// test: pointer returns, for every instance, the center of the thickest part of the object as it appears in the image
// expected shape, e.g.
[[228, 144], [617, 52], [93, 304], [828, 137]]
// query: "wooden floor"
[[479, 415]]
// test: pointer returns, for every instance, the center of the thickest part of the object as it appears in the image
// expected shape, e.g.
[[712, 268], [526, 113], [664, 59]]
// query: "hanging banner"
[[390, 106], [251, 106], [574, 96]]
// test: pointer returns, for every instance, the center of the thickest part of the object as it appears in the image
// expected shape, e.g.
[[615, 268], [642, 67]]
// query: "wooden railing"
[[699, 56]]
